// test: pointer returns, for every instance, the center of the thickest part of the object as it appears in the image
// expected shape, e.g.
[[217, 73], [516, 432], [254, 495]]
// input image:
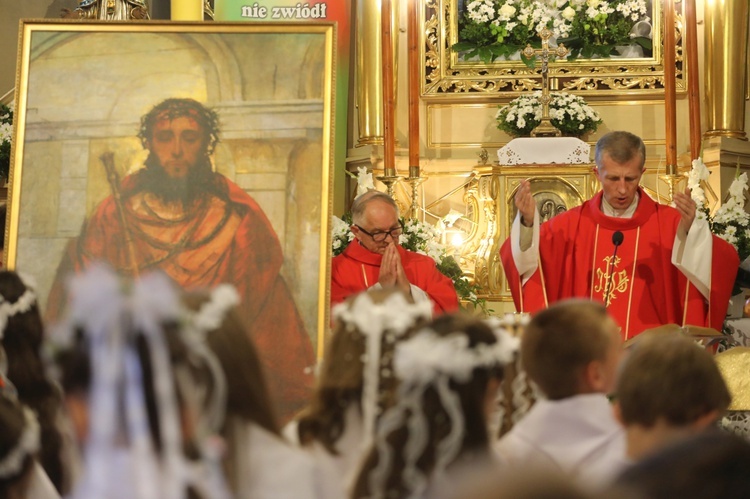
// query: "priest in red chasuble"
[[179, 216], [651, 264], [375, 258]]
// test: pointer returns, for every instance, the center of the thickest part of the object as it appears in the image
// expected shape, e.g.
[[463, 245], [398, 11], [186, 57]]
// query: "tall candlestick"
[[186, 10], [694, 96], [414, 71], [670, 95], [389, 136]]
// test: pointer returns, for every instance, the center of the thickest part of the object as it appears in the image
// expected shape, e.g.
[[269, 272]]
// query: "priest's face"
[[620, 180], [380, 227]]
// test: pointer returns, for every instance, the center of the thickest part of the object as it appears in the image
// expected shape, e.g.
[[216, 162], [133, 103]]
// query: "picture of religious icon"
[[186, 160]]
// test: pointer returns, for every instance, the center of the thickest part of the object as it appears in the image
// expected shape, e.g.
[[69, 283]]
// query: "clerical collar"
[[628, 212]]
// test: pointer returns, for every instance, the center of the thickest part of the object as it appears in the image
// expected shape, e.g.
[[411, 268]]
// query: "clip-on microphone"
[[617, 239]]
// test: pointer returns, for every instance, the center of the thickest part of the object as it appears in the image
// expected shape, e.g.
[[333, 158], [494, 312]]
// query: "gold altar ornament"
[[545, 128]]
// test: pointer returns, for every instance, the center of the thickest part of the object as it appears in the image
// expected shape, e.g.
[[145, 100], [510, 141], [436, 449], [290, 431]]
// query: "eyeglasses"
[[379, 237]]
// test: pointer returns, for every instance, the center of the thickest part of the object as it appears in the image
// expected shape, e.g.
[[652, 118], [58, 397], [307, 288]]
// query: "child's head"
[[214, 316], [668, 379], [357, 369], [448, 373], [135, 383], [572, 348]]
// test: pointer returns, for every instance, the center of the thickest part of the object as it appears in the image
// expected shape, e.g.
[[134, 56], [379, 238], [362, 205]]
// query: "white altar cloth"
[[544, 151]]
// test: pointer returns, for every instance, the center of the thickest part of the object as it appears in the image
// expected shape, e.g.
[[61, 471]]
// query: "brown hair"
[[621, 147], [341, 379], [471, 395], [22, 341], [247, 393], [560, 342], [13, 423], [668, 377]]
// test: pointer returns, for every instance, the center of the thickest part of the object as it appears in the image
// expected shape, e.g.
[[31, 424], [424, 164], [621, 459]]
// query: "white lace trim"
[[28, 444], [20, 306]]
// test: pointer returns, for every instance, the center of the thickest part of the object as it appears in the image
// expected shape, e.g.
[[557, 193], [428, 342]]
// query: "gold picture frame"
[[82, 89], [448, 78]]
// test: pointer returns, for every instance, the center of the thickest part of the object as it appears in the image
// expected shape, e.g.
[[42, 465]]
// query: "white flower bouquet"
[[730, 222], [489, 29], [569, 113]]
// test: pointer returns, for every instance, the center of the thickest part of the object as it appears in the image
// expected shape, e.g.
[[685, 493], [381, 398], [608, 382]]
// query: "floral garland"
[[569, 113], [489, 29], [417, 236]]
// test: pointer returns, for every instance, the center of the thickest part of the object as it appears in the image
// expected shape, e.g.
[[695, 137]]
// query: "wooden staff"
[[670, 95], [694, 94], [414, 76], [108, 161], [389, 137]]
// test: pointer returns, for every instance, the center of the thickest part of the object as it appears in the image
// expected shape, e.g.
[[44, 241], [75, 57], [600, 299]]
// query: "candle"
[[186, 10], [694, 96], [670, 95], [414, 69], [389, 135]]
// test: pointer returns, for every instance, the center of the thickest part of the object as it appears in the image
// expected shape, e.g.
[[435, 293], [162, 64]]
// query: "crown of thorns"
[[171, 109]]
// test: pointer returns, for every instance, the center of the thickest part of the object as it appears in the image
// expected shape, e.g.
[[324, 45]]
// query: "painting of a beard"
[[187, 189]]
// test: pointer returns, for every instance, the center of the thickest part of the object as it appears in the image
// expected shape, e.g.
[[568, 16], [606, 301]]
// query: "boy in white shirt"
[[571, 351]]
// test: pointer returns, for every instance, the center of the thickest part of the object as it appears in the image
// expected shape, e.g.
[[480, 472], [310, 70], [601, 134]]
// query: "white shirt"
[[577, 435]]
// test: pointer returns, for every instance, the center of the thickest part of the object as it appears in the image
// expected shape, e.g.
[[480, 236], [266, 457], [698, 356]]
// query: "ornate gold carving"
[[555, 187], [446, 76]]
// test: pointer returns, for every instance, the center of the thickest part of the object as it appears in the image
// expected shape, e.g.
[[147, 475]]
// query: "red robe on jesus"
[[645, 289], [224, 237], [358, 268]]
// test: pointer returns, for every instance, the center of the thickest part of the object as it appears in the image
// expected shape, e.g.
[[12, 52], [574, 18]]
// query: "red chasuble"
[[646, 289], [358, 268]]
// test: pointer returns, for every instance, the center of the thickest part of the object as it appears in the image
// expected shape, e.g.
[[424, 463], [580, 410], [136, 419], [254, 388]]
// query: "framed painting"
[[199, 149], [471, 48]]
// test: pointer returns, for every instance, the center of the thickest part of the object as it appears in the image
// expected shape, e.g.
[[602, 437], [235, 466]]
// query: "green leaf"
[[463, 46], [644, 42], [529, 61], [587, 52], [485, 54]]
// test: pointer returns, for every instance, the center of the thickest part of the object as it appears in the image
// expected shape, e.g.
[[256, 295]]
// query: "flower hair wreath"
[[427, 356], [28, 444], [20, 306]]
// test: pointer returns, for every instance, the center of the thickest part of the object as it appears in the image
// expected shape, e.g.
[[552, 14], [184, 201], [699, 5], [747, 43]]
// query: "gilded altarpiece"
[[450, 81], [489, 199]]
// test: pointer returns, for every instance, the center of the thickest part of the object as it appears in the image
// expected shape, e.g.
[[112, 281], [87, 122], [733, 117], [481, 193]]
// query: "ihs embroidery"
[[620, 281]]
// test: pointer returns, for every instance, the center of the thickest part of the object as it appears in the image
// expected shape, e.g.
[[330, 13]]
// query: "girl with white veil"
[[356, 382], [137, 388], [449, 373]]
